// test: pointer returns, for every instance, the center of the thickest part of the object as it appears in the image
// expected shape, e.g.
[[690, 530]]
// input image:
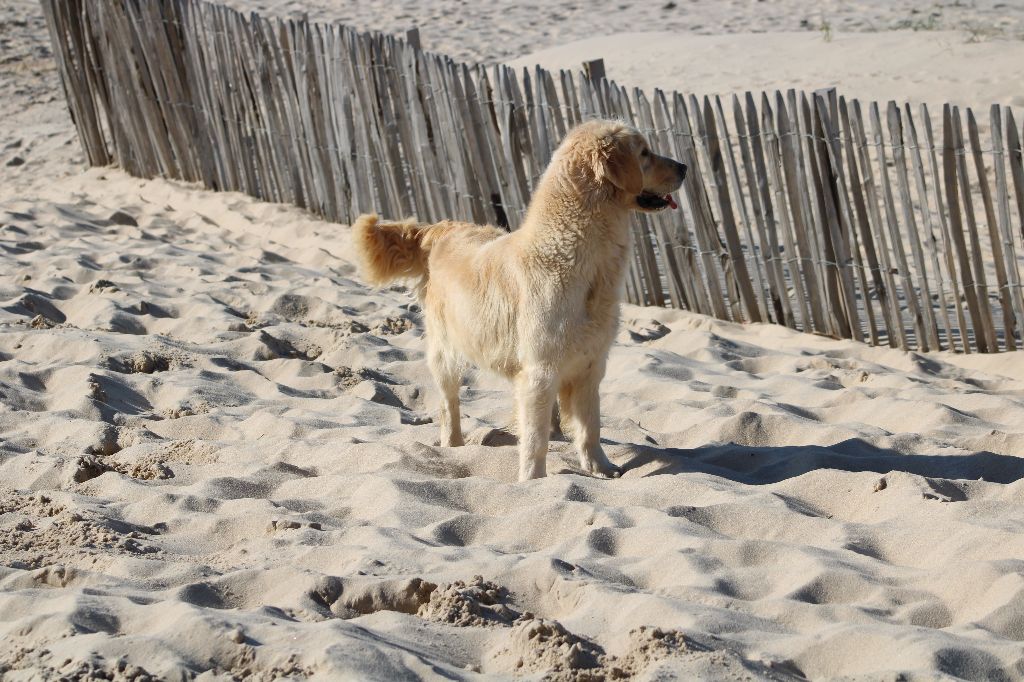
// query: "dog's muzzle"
[[655, 201]]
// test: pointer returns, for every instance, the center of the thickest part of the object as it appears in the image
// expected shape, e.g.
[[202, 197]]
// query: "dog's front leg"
[[584, 404], [535, 395]]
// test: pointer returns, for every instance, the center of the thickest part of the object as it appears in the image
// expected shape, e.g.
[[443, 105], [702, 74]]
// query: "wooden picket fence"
[[803, 209]]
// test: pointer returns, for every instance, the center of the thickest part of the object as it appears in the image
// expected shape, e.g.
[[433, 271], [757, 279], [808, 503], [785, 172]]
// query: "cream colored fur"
[[539, 305]]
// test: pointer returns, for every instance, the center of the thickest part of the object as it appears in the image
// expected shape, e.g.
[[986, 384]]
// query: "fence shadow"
[[754, 465]]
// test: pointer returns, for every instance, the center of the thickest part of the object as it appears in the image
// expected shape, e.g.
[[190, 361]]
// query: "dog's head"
[[621, 159]]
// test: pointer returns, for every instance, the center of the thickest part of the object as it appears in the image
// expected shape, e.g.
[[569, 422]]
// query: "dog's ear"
[[622, 168]]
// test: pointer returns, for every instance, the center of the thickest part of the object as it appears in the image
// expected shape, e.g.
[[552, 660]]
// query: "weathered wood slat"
[[220, 104], [509, 124], [442, 178], [473, 171], [683, 269], [367, 147], [275, 162], [824, 236], [995, 243], [167, 81], [256, 158], [207, 134], [895, 239], [889, 295], [691, 271], [860, 230], [387, 145], [542, 113], [1015, 145], [813, 200], [426, 170], [450, 146], [388, 134], [740, 275], [930, 242], [569, 98], [737, 193], [772, 146], [949, 165], [275, 34], [114, 109], [718, 245], [232, 104], [586, 97], [72, 67], [776, 297], [534, 161], [983, 323], [503, 198], [803, 257], [948, 245], [484, 173], [413, 192], [767, 161], [707, 239], [837, 211], [332, 101], [136, 151], [654, 223], [1013, 327], [895, 123]]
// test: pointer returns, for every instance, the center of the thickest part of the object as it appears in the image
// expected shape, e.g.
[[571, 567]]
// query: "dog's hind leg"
[[581, 406], [556, 421], [448, 377], [535, 395]]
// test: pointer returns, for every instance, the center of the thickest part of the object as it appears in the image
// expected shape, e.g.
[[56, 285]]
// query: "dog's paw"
[[612, 472], [603, 469], [532, 470]]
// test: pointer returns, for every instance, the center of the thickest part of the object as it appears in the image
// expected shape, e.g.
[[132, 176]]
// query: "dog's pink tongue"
[[671, 201]]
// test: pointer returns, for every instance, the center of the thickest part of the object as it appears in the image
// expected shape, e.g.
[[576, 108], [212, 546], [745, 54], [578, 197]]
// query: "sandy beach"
[[218, 459]]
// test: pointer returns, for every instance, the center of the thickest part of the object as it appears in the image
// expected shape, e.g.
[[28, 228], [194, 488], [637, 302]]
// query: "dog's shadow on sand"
[[763, 465]]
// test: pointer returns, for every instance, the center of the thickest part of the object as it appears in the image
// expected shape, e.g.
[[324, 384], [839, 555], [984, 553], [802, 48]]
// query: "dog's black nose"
[[681, 170]]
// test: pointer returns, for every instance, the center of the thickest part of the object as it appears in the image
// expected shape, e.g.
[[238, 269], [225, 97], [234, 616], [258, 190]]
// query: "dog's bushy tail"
[[390, 251]]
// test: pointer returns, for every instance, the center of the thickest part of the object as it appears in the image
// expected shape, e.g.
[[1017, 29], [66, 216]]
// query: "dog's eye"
[[646, 152]]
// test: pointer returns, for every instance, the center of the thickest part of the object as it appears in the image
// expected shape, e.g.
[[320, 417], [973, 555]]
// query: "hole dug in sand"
[[148, 362], [405, 596], [89, 466], [472, 603], [144, 459]]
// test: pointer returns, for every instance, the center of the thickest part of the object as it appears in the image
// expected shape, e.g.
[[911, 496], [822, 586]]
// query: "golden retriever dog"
[[539, 305]]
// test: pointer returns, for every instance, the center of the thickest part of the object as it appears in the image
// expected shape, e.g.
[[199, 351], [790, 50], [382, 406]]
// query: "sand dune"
[[217, 458], [929, 66]]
